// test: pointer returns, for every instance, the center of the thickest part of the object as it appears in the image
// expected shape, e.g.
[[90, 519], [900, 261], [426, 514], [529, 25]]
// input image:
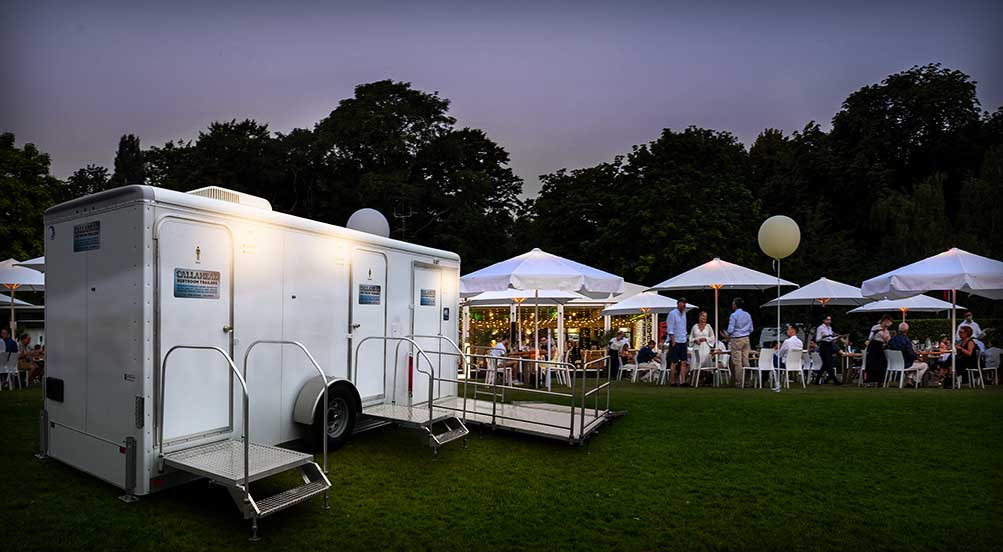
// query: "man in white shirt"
[[792, 343], [976, 329], [824, 337], [675, 327], [616, 346]]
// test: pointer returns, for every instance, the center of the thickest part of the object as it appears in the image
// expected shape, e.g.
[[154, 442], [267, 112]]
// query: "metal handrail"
[[323, 376], [466, 365], [243, 385], [421, 352]]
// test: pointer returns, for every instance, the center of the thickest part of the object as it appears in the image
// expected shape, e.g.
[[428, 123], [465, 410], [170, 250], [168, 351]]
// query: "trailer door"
[[426, 306], [369, 319], [195, 278]]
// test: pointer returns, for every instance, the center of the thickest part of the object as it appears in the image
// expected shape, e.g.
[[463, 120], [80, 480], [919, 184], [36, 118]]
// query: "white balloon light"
[[370, 221], [779, 236]]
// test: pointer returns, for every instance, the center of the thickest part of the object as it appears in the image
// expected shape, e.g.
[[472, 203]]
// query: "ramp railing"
[[323, 377], [353, 375], [243, 386], [578, 400]]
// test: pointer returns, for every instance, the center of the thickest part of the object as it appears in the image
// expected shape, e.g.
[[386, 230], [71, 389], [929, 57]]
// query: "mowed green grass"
[[701, 469]]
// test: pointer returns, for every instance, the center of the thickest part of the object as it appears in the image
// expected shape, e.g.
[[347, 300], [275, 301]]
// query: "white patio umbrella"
[[952, 270], [821, 292], [17, 277], [508, 296], [916, 303], [18, 304], [718, 274], [38, 263], [646, 302], [538, 270]]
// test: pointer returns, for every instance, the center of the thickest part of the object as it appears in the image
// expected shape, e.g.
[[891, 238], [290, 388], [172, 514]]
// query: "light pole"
[[779, 236]]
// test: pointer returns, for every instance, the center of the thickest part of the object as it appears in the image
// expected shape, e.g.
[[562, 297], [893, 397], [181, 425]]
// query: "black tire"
[[341, 419]]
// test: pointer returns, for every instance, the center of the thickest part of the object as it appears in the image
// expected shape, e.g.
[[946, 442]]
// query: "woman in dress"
[[702, 338], [877, 364], [967, 355]]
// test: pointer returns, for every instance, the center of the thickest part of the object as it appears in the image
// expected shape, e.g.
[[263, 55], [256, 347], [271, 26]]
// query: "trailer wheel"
[[339, 422]]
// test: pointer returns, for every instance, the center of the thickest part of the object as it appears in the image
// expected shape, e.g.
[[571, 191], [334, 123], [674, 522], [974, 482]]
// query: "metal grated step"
[[223, 461], [451, 434], [280, 501]]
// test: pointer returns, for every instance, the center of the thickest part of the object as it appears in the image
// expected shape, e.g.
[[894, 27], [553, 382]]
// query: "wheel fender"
[[312, 393]]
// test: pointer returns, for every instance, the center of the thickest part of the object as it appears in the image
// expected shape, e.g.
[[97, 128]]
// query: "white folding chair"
[[794, 365], [765, 364], [991, 364], [814, 365], [697, 367], [8, 371], [662, 372], [896, 365], [493, 371], [975, 374]]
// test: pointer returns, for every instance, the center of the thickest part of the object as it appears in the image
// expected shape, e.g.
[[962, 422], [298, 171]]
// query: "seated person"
[[647, 359], [901, 342], [500, 350], [792, 343]]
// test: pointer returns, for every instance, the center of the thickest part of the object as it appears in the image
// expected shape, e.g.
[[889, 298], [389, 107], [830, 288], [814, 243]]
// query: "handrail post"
[[247, 421], [323, 377]]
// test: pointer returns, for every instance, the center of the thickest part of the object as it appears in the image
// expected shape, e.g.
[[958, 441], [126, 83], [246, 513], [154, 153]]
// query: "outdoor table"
[[848, 359]]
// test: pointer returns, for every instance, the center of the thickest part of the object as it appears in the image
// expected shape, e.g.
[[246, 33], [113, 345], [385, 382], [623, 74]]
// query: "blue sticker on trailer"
[[87, 236], [369, 294], [427, 298], [196, 284]]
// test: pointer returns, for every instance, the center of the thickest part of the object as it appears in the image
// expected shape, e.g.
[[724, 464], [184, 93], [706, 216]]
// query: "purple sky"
[[558, 85]]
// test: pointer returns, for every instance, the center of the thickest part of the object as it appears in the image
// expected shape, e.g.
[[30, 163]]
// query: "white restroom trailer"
[[138, 275]]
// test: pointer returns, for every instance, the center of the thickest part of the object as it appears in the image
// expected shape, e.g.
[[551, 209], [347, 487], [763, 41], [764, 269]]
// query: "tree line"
[[910, 166]]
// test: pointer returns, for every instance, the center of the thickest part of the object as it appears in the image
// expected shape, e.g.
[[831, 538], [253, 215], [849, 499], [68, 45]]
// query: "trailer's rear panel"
[[96, 306]]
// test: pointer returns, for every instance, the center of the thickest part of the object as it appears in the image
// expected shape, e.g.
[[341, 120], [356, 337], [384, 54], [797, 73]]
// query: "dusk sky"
[[556, 84]]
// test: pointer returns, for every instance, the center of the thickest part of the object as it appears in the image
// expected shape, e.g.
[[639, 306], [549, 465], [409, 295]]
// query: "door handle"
[[227, 328], [356, 326]]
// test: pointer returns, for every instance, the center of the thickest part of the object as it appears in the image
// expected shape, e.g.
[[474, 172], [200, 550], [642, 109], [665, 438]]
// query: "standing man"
[[676, 328], [614, 349], [976, 330], [739, 330], [824, 337]]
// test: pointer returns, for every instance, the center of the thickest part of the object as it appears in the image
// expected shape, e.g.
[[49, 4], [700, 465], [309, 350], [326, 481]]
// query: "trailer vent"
[[222, 194]]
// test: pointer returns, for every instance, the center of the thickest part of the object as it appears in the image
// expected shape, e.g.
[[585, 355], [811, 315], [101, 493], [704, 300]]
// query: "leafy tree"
[[88, 180], [130, 166], [26, 190]]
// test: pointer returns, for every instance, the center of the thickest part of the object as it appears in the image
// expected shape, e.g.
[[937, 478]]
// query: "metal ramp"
[[236, 463], [574, 422]]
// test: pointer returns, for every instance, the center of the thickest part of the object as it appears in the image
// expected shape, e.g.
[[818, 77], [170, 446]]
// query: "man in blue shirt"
[[675, 326], [10, 346], [901, 342], [739, 330]]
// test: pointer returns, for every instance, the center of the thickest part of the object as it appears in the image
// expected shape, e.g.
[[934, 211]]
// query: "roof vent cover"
[[240, 198]]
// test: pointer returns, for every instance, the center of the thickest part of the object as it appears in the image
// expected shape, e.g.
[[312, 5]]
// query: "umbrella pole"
[[536, 332], [776, 386], [13, 322], [954, 332]]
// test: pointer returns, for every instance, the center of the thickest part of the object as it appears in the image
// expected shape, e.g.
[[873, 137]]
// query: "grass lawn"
[[821, 469]]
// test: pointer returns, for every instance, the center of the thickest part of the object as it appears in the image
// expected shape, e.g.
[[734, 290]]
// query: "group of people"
[[735, 341], [679, 338], [968, 345], [28, 357]]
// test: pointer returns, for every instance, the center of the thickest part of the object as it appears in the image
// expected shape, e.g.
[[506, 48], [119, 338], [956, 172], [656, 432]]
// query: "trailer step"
[[455, 429], [223, 461], [414, 416], [280, 501]]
